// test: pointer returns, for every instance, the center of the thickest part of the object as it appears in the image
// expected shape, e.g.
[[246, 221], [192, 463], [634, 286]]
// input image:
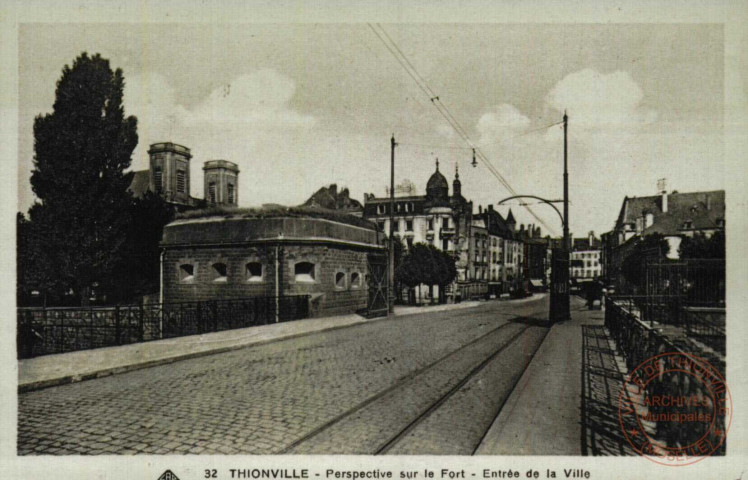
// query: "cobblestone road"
[[426, 383]]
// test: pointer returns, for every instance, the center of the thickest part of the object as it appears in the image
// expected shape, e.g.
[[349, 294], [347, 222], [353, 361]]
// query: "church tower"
[[456, 184], [170, 171], [221, 182]]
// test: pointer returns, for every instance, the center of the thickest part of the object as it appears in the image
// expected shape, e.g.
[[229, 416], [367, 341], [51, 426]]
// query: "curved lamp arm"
[[563, 222]]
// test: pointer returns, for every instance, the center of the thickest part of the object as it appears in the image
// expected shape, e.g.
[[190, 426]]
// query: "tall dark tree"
[[32, 279], [425, 264], [633, 266], [81, 151], [700, 246], [140, 273]]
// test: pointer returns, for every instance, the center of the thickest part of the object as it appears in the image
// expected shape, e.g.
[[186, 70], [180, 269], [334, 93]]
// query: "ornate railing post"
[[117, 338]]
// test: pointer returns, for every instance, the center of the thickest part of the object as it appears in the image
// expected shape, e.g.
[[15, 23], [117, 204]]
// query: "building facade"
[[586, 261], [673, 215], [270, 253], [536, 261], [436, 218], [504, 253]]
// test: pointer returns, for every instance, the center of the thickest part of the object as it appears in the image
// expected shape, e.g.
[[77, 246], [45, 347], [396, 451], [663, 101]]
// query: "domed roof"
[[437, 185]]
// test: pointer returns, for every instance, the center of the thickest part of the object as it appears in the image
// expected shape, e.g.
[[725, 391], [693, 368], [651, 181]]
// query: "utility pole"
[[565, 305], [567, 240], [391, 263]]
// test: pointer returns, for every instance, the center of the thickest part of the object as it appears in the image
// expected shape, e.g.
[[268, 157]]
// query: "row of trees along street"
[[423, 264], [86, 236]]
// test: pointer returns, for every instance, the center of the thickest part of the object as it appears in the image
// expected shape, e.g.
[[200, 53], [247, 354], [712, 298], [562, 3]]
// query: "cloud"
[[152, 100], [241, 121], [502, 121], [597, 100], [606, 145], [258, 100], [445, 131]]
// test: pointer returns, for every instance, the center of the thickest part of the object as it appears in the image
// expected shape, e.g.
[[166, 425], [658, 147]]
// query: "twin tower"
[[169, 176]]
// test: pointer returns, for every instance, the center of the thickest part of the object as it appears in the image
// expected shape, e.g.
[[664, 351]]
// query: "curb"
[[105, 372]]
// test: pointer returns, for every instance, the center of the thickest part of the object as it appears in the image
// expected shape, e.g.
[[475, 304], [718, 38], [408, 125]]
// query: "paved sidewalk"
[[543, 415], [51, 370]]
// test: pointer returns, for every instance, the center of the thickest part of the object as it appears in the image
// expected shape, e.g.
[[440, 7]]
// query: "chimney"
[[662, 187], [333, 190], [480, 209], [490, 207], [591, 238]]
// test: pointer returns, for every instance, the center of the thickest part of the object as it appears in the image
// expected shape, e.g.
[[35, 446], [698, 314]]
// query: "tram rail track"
[[305, 442]]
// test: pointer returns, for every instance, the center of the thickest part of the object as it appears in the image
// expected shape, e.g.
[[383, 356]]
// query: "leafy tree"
[[426, 265], [706, 279], [633, 266], [700, 246], [141, 269], [413, 268], [445, 270], [30, 276], [399, 249], [81, 151]]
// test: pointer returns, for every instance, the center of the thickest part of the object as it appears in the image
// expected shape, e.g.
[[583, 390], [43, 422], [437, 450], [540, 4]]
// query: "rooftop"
[[169, 147], [701, 209], [210, 164], [276, 211]]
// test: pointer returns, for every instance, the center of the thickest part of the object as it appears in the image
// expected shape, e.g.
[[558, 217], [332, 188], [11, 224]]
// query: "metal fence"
[[44, 331], [696, 282], [638, 342], [705, 324], [689, 294]]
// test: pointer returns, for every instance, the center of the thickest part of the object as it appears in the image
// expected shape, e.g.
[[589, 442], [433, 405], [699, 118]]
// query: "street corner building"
[[228, 253]]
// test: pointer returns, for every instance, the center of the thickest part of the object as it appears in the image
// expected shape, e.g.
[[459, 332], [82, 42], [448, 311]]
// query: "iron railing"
[[705, 324], [44, 331], [698, 282], [639, 342]]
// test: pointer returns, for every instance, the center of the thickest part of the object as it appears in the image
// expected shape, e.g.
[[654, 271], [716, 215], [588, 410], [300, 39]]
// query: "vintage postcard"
[[431, 241]]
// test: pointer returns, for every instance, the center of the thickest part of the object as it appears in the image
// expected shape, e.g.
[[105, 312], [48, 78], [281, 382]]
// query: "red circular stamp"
[[675, 409]]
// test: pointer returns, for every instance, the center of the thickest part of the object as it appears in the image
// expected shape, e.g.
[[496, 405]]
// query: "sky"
[[297, 107]]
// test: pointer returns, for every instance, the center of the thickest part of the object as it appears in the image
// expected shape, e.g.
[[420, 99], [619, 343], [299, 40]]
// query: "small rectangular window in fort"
[[230, 188], [220, 272], [355, 280], [304, 272], [340, 280], [254, 272], [186, 272]]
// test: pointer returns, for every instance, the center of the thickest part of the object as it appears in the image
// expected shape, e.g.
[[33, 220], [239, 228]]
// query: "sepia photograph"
[[400, 238]]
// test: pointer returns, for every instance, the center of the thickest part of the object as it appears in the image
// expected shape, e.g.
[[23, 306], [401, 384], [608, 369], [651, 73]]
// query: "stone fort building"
[[270, 252]]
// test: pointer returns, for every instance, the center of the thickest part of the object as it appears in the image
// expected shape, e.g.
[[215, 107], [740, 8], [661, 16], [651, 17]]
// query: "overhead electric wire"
[[456, 147], [448, 116]]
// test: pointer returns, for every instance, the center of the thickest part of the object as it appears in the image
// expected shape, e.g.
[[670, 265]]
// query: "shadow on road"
[[601, 386], [532, 321]]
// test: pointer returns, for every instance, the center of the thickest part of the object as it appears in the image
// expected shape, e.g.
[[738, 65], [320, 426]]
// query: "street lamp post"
[[391, 244], [560, 260], [563, 306], [567, 240]]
